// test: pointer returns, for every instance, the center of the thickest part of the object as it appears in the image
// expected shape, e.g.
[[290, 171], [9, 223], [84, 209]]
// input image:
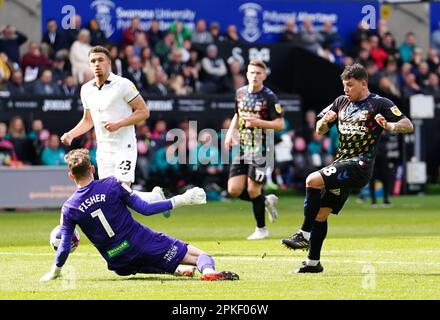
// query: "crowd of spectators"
[[181, 62]]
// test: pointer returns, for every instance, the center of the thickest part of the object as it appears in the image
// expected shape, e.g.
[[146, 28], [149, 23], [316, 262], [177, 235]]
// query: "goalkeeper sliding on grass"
[[99, 208]]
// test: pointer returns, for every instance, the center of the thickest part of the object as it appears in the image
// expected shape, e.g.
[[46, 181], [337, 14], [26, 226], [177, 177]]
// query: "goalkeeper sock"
[[258, 208], [245, 195], [205, 264], [319, 232], [312, 203]]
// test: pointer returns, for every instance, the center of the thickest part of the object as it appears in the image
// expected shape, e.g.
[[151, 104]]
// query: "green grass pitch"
[[369, 253]]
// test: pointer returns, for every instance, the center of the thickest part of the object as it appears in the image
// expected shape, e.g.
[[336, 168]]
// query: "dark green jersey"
[[262, 105], [359, 132]]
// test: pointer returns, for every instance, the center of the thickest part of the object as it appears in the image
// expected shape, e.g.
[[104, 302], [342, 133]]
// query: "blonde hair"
[[79, 164], [258, 63]]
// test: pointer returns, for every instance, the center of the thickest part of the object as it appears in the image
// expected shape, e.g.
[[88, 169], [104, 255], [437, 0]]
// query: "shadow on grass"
[[161, 278]]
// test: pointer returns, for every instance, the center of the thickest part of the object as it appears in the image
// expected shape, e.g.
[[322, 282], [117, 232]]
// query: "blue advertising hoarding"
[[258, 21], [435, 16]]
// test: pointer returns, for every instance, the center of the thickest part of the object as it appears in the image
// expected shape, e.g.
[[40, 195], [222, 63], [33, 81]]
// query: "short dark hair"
[[355, 71], [78, 161], [258, 63], [100, 49]]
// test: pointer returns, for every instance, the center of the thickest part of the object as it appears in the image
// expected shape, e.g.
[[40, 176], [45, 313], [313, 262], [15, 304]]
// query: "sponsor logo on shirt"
[[118, 249], [352, 129], [171, 253]]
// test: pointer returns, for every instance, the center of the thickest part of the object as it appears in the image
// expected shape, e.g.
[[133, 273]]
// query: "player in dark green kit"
[[360, 117]]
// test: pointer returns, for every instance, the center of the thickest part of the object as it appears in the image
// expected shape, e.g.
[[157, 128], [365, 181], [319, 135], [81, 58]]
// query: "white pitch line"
[[241, 258]]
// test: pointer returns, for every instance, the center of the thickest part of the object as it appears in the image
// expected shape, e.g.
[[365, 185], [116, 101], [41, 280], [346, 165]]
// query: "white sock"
[[148, 196], [208, 270], [306, 234], [312, 263]]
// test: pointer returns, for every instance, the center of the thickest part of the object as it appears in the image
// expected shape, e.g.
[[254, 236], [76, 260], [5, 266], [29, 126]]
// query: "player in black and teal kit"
[[257, 111], [361, 117]]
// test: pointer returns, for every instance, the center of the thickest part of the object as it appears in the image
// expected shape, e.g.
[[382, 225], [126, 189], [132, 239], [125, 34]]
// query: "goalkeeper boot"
[[220, 276], [296, 241]]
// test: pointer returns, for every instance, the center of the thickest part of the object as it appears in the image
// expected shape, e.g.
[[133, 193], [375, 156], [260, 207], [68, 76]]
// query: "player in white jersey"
[[112, 105]]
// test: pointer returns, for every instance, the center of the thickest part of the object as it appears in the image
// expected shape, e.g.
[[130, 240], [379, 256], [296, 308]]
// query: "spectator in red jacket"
[[33, 62], [378, 55], [129, 34]]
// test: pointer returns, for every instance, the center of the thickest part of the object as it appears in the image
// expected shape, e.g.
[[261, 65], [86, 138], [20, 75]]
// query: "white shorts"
[[121, 165]]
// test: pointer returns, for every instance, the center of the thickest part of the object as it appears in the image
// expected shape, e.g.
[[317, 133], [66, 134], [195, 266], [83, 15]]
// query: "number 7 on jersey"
[[98, 213]]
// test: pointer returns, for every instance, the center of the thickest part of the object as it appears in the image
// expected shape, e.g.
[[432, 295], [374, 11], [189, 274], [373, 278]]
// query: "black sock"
[[319, 232], [258, 207], [245, 195], [312, 203]]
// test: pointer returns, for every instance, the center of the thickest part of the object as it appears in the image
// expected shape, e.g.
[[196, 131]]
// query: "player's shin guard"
[[204, 261], [312, 203], [259, 210], [319, 232]]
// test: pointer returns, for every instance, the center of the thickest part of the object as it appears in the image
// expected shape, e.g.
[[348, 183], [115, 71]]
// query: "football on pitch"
[[55, 239]]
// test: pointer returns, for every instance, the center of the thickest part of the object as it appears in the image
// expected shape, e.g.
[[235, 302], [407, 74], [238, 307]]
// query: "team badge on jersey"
[[133, 88], [396, 111], [278, 108]]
